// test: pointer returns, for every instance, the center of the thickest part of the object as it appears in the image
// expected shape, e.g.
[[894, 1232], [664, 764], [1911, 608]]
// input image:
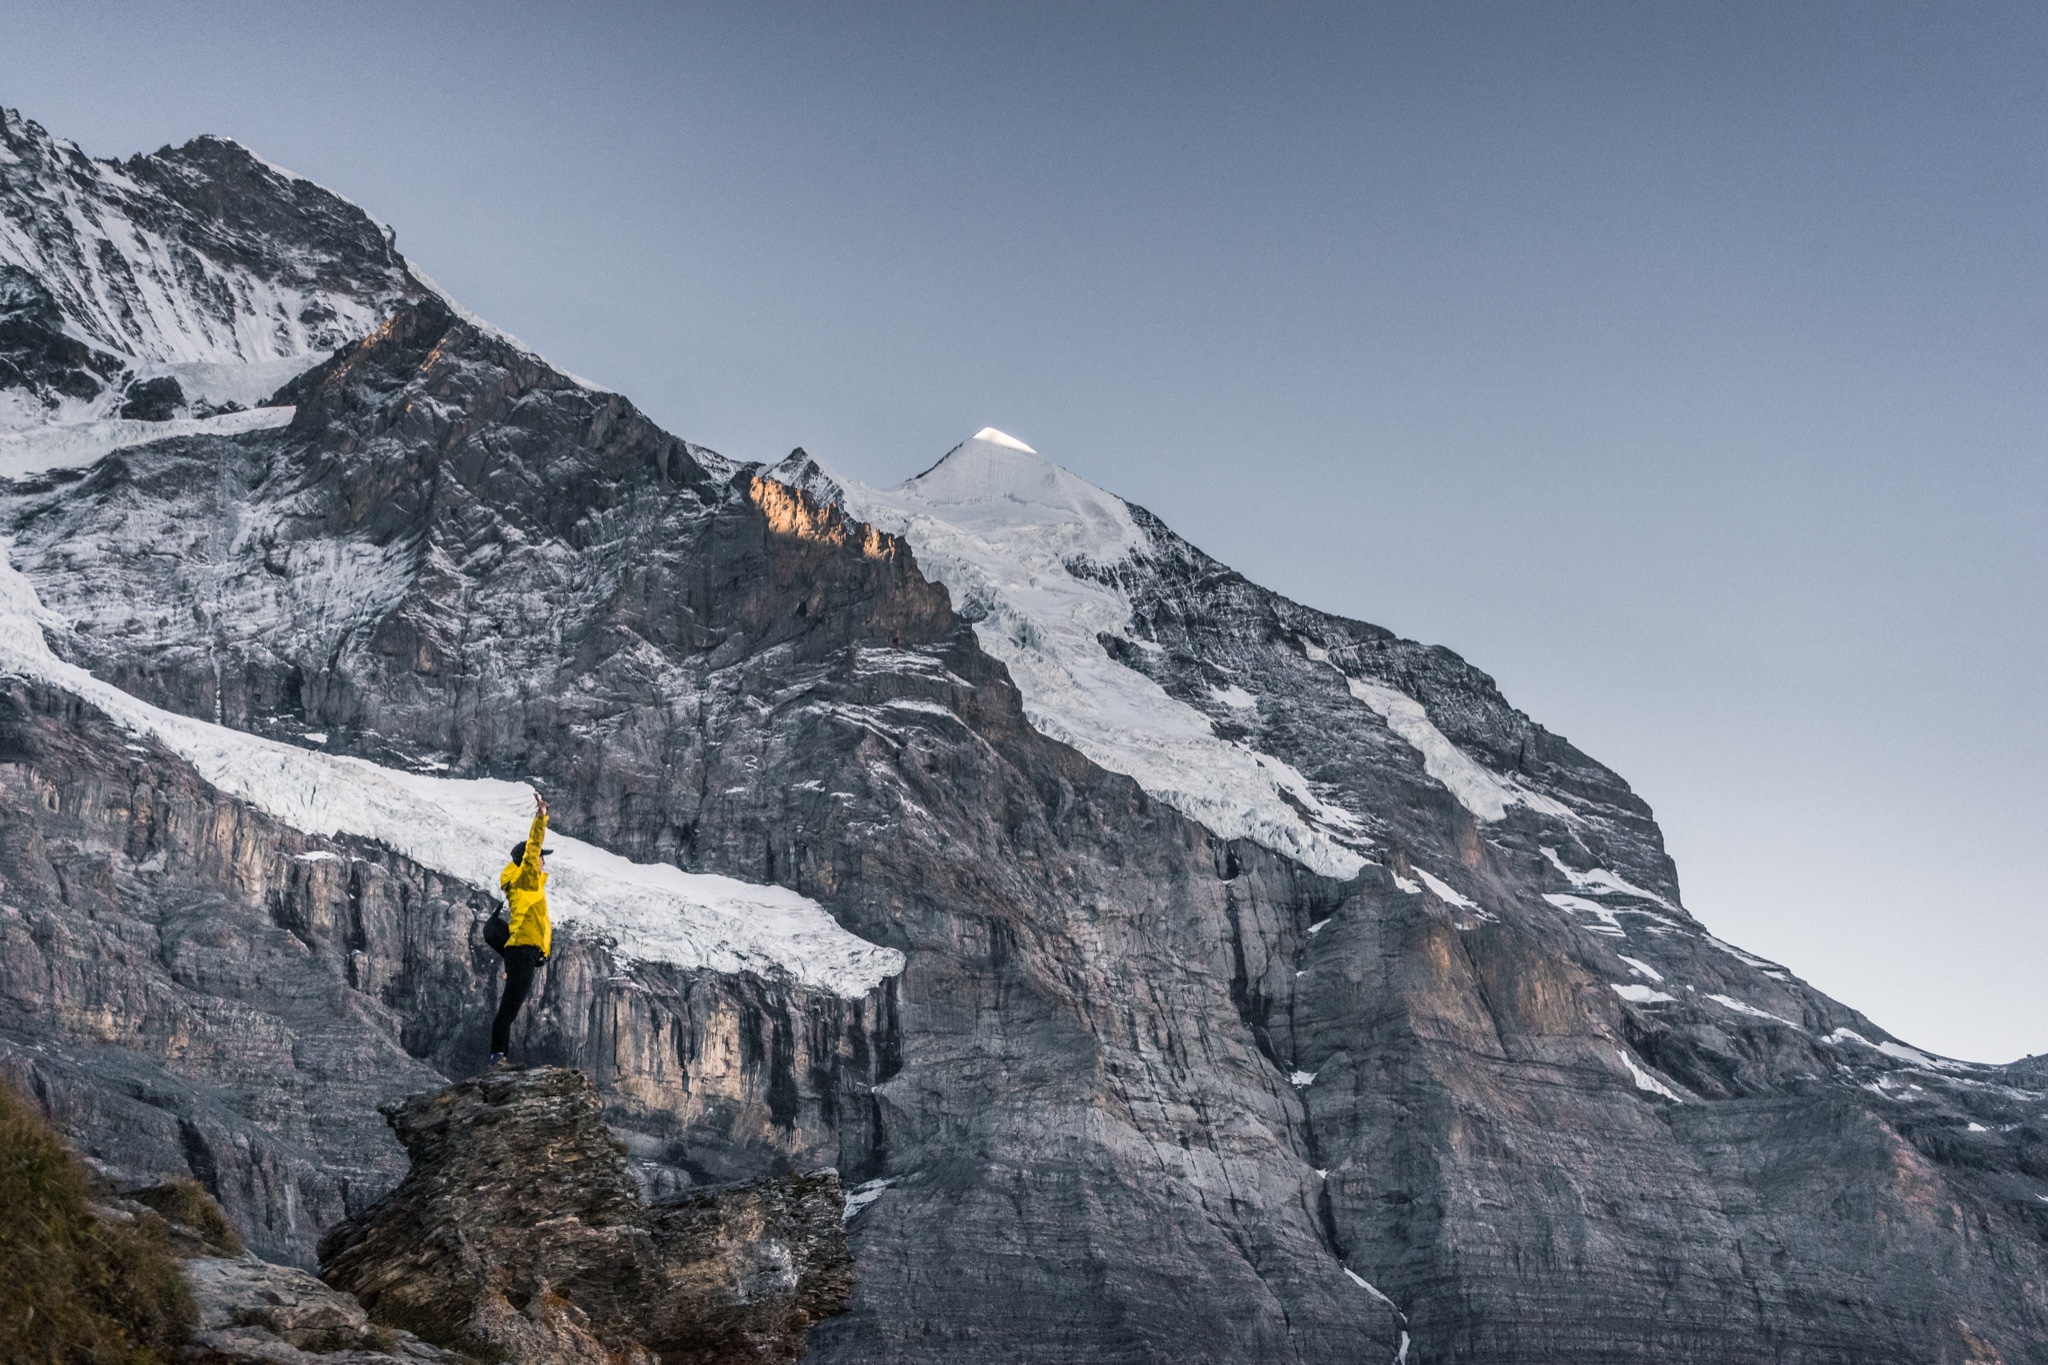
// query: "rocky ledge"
[[251, 1312], [520, 1234]]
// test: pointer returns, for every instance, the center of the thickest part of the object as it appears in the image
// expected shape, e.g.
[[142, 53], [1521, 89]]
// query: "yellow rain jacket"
[[526, 894]]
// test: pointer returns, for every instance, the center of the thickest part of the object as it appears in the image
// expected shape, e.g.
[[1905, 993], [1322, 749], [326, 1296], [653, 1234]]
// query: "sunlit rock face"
[[1270, 988]]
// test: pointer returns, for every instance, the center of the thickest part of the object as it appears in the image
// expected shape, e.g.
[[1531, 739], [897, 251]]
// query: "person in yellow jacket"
[[524, 883]]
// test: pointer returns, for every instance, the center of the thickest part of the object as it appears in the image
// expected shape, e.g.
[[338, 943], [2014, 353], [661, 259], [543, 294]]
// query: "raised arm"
[[529, 866]]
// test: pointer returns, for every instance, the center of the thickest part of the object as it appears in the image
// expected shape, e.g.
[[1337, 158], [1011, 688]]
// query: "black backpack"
[[498, 931]]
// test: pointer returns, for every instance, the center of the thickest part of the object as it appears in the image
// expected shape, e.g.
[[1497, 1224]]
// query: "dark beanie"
[[519, 851]]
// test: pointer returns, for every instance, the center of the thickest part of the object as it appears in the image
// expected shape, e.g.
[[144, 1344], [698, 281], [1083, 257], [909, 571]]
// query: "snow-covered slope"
[[648, 911], [1022, 544], [194, 281], [1043, 562], [72, 445]]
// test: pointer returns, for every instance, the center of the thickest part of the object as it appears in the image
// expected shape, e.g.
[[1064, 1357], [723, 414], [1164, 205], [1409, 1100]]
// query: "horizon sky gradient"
[[1685, 368]]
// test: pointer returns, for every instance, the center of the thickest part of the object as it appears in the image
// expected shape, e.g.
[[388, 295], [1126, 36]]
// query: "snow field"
[[66, 445], [464, 828]]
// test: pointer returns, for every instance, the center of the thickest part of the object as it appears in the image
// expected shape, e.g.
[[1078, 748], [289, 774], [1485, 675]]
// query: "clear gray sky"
[[1680, 365]]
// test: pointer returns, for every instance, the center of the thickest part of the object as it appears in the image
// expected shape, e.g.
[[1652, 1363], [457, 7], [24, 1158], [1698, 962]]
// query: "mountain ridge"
[[1145, 1088]]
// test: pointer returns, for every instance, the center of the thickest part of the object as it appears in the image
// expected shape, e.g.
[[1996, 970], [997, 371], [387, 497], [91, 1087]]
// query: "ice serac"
[[1271, 989]]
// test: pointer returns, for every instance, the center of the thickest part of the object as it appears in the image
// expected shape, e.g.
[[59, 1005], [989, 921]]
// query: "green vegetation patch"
[[185, 1201], [76, 1287]]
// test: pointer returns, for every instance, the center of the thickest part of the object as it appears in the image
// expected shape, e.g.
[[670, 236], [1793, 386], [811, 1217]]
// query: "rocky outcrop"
[[254, 1313], [519, 1231]]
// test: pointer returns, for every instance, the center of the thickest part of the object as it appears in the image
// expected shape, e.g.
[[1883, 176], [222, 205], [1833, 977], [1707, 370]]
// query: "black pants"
[[522, 960]]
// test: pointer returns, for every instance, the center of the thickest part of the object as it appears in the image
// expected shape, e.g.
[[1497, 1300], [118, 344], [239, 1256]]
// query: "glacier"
[[653, 912]]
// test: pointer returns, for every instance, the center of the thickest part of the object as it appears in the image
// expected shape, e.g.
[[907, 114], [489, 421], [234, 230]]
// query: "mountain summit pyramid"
[[1172, 971]]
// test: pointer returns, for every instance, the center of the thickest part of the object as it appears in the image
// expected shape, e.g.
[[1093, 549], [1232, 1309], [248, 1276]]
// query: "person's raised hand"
[[540, 804]]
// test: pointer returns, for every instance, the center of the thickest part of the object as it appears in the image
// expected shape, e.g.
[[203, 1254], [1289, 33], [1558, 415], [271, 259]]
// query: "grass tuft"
[[184, 1200], [76, 1287]]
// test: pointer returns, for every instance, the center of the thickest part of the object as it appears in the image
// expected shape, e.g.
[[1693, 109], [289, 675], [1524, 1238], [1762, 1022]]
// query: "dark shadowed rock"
[[520, 1229]]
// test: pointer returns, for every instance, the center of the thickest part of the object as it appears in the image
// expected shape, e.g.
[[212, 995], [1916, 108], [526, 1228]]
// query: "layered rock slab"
[[520, 1230]]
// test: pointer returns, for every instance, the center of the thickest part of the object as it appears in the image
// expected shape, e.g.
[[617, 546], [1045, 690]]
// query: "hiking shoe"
[[498, 1062]]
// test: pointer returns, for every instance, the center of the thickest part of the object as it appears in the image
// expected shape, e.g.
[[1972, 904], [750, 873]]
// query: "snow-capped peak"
[[138, 299], [1022, 545], [1001, 438], [1044, 563], [1003, 488]]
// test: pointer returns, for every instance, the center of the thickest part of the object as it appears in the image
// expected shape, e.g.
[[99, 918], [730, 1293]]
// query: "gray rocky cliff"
[[186, 985], [1141, 1092]]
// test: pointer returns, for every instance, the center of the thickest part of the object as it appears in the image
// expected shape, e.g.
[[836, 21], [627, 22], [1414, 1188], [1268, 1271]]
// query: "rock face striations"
[[520, 1233], [1270, 988]]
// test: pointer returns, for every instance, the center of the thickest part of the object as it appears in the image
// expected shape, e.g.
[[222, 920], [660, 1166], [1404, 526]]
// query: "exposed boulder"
[[251, 1310], [520, 1233], [153, 400]]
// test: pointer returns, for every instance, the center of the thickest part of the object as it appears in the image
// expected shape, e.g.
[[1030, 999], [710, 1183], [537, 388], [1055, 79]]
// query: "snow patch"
[[1741, 1007], [653, 912], [1640, 967], [1608, 924], [1745, 958], [1366, 1285], [1898, 1052], [1445, 892], [1645, 1081], [1635, 992], [1235, 697], [1600, 882], [860, 1196], [1915, 1057], [246, 385], [1301, 1078], [67, 445]]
